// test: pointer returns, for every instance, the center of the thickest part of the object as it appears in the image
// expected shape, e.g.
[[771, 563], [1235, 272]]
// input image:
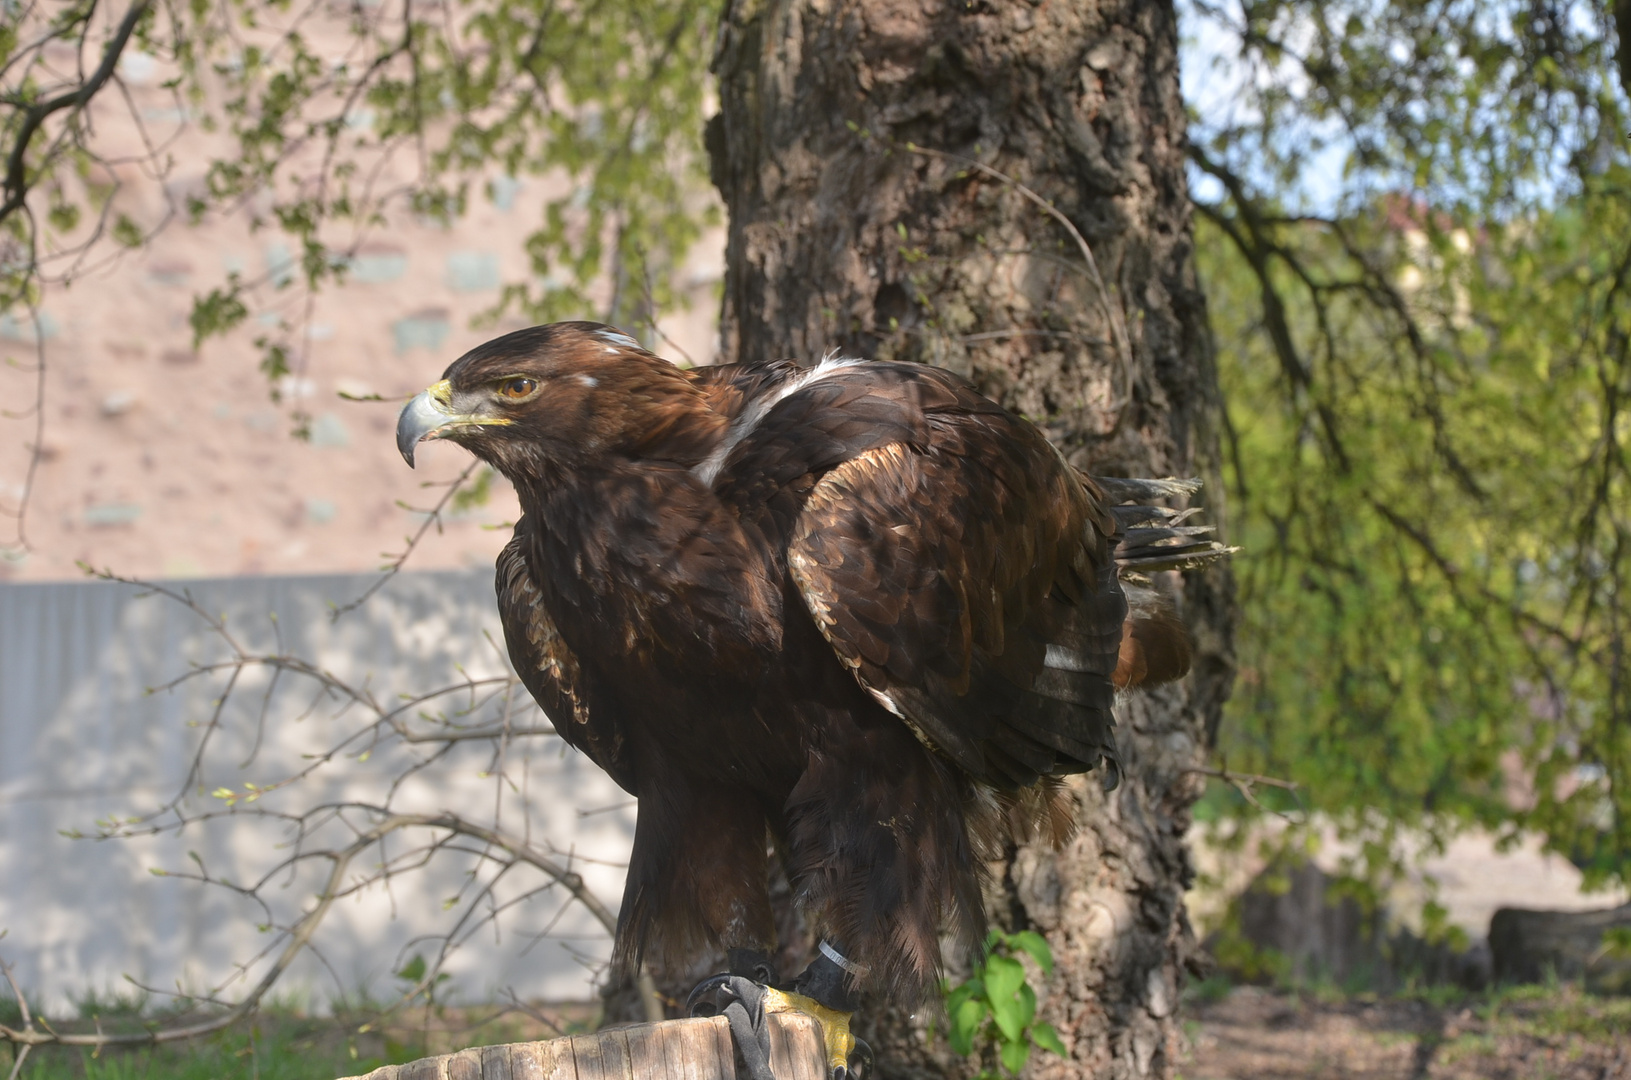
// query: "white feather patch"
[[708, 470], [886, 701], [618, 338], [1062, 659]]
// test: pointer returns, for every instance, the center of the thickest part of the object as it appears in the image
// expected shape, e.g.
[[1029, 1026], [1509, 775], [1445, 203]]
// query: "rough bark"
[[843, 236]]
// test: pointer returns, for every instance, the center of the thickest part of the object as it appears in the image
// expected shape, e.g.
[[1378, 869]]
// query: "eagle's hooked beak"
[[429, 411], [430, 414]]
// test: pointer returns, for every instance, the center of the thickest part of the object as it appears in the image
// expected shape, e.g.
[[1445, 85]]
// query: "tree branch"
[[16, 185], [1245, 782]]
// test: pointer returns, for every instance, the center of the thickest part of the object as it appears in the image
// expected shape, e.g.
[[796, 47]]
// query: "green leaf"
[[1003, 979], [965, 1022], [216, 312], [126, 232], [1027, 1005], [475, 493], [413, 970], [956, 996], [1037, 946], [1048, 1039], [1014, 1055], [1617, 942], [63, 216]]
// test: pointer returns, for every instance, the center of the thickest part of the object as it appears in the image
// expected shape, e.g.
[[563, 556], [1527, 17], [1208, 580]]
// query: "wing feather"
[[548, 667], [964, 576]]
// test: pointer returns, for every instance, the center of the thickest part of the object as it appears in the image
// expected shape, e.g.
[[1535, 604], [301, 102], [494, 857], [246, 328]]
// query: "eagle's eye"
[[518, 387]]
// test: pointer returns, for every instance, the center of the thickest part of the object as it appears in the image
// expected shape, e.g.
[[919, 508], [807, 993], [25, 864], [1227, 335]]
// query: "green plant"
[[1616, 943], [416, 982], [1207, 991], [994, 1010], [280, 1043]]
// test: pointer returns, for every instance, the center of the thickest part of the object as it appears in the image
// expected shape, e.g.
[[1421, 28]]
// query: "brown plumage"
[[858, 608]]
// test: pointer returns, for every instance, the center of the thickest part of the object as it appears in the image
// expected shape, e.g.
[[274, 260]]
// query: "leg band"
[[827, 982]]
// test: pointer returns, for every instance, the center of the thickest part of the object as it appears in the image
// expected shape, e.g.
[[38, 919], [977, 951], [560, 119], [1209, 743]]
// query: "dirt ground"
[[1559, 1034]]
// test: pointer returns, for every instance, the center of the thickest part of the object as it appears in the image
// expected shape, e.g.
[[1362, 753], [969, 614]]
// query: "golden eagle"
[[856, 608]]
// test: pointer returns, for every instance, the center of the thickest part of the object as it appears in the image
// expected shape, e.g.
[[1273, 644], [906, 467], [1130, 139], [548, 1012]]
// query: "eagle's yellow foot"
[[835, 1033]]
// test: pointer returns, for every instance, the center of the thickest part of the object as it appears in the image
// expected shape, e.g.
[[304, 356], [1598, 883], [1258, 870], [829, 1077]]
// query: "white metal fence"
[[82, 741]]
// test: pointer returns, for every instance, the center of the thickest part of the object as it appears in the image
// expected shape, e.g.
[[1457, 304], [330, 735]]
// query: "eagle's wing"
[[547, 666], [729, 388], [956, 564]]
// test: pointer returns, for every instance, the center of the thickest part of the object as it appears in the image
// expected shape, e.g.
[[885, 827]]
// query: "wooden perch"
[[698, 1049]]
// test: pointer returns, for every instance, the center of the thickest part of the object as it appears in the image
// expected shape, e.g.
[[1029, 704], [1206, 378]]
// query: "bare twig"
[[17, 1066], [36, 452], [651, 310], [433, 518], [1246, 782], [537, 1014], [650, 1000], [17, 992], [298, 937], [501, 851]]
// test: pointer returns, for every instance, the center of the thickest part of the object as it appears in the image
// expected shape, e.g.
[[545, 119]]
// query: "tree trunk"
[[845, 234]]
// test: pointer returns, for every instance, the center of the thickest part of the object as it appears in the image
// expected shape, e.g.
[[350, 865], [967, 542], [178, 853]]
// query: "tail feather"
[[1119, 489], [1155, 647], [1140, 515], [1154, 537]]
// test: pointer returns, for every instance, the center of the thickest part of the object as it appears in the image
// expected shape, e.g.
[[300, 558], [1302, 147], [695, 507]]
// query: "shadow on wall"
[[85, 747]]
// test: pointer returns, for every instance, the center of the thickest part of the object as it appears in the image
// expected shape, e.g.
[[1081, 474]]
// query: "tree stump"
[[697, 1049], [1530, 945]]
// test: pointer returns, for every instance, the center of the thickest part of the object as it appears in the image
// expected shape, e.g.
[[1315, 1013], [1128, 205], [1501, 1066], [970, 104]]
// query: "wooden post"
[[698, 1049]]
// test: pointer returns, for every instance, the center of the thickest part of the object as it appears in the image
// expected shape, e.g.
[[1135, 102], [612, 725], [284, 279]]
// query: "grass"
[[281, 1042], [274, 1046], [1214, 987], [1568, 1012]]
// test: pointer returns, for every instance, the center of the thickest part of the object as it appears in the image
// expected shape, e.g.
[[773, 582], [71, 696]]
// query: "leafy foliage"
[[331, 118], [418, 980], [1427, 373], [339, 116], [1617, 942], [994, 1009]]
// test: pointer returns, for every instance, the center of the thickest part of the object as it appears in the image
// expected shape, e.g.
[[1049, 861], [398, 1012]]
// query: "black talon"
[[862, 1054], [706, 986], [754, 964]]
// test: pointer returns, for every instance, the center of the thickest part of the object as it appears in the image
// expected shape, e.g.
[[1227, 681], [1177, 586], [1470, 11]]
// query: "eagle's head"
[[560, 396]]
